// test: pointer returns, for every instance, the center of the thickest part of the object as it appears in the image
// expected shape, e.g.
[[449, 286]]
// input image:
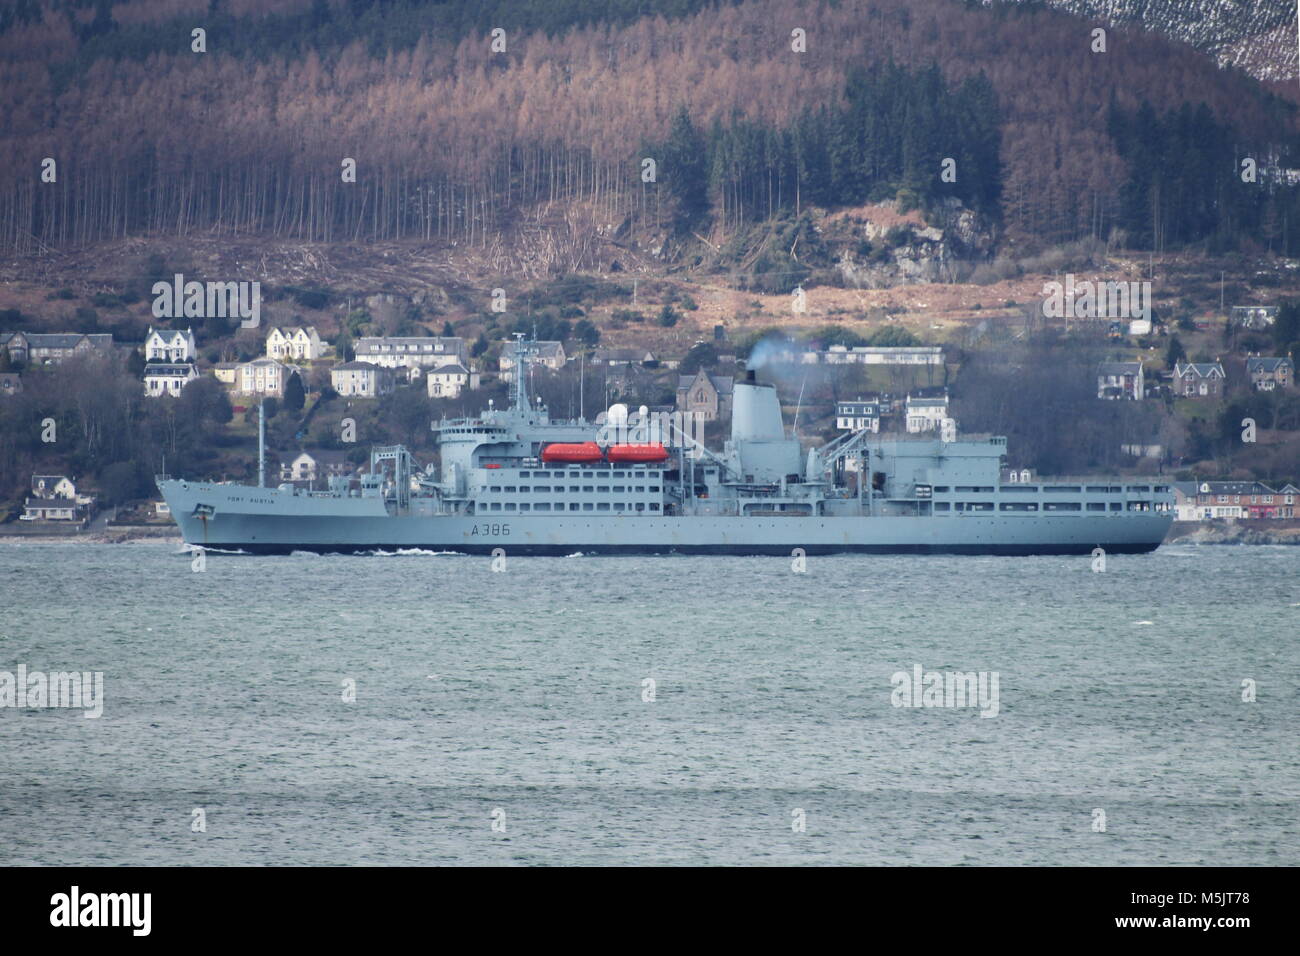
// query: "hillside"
[[1256, 36], [456, 140]]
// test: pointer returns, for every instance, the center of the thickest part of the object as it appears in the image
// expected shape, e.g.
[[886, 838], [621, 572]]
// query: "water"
[[522, 691]]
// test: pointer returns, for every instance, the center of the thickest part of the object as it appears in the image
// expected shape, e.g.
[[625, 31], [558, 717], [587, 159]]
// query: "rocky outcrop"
[[1234, 532], [896, 249]]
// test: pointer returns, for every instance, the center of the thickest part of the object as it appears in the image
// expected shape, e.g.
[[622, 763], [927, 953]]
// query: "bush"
[[667, 316]]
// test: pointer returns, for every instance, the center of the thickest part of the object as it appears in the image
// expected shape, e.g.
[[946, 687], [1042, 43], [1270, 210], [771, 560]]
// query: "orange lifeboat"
[[574, 453], [638, 454]]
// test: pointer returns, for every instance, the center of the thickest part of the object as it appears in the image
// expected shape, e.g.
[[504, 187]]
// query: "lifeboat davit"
[[638, 453], [573, 453]]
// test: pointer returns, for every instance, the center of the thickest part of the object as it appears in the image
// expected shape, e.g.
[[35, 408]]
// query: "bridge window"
[[942, 506], [1096, 506], [1018, 506], [603, 506], [1069, 489], [541, 506], [525, 507], [654, 506], [587, 506], [510, 506], [1062, 506]]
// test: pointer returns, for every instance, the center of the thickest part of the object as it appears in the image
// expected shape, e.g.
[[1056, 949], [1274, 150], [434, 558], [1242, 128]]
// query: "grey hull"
[[266, 521]]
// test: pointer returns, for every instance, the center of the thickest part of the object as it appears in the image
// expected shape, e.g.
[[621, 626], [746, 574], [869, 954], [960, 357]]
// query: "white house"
[[311, 466], [55, 498], [1119, 380], [362, 379], [167, 378], [169, 345], [857, 416], [262, 377], [298, 342], [873, 355], [414, 353], [926, 414], [446, 381]]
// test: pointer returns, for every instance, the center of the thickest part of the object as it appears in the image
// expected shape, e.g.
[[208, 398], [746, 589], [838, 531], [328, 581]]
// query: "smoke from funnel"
[[767, 350]]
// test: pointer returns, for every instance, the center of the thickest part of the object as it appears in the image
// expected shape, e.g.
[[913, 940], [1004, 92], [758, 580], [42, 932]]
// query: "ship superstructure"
[[518, 480]]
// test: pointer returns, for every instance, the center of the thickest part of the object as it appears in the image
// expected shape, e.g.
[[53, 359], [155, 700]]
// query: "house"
[[227, 373], [1267, 374], [318, 465], [705, 396], [871, 355], [549, 354], [1199, 379], [622, 357], [298, 342], [413, 353], [1117, 380], [446, 381], [1254, 316], [1185, 501], [1242, 499], [1290, 496], [169, 345], [362, 379], [857, 416], [262, 377], [926, 414], [11, 383], [167, 378], [54, 347], [55, 498]]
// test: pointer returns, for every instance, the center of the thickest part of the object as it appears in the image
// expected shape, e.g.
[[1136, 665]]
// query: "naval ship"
[[516, 480]]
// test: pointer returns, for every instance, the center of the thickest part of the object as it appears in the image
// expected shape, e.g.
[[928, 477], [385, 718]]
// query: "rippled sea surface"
[[519, 698]]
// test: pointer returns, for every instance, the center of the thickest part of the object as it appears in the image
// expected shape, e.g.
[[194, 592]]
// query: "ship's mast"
[[523, 352], [261, 444]]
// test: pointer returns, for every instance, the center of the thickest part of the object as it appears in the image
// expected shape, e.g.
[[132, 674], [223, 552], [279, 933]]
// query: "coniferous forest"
[[462, 117]]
